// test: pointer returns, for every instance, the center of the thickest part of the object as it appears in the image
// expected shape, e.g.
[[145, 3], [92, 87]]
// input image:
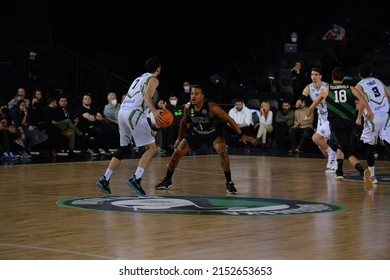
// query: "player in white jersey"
[[378, 97], [322, 134], [133, 123]]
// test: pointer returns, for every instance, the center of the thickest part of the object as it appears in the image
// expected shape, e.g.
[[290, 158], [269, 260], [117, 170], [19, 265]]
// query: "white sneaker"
[[25, 155], [373, 179], [331, 170], [20, 142]]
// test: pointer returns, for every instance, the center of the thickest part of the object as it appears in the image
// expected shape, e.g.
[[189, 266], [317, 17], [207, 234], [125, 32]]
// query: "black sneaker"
[[163, 185], [230, 187], [135, 184], [103, 185]]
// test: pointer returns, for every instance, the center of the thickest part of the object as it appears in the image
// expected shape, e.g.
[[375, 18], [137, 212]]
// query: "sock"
[[359, 168], [108, 174], [372, 170], [228, 176], [169, 174], [139, 172], [329, 151], [339, 166]]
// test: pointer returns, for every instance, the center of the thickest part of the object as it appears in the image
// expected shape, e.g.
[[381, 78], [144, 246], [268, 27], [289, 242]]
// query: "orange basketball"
[[167, 119]]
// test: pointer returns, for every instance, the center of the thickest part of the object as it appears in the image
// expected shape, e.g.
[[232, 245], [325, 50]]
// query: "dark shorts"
[[196, 141], [341, 131]]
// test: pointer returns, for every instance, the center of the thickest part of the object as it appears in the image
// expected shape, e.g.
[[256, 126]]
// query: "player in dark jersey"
[[340, 101], [201, 123]]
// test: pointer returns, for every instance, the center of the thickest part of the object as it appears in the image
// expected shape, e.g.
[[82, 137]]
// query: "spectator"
[[184, 96], [242, 116], [91, 122], [173, 130], [302, 129], [284, 119], [20, 94], [265, 124]]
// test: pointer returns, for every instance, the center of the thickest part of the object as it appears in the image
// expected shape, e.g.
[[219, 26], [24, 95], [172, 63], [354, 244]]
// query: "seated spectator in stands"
[[184, 96], [299, 75], [92, 122], [173, 130], [28, 135], [20, 94], [111, 109], [301, 130], [264, 126], [36, 115], [242, 115], [60, 126], [284, 119], [336, 33], [159, 132], [6, 131], [37, 98], [110, 113]]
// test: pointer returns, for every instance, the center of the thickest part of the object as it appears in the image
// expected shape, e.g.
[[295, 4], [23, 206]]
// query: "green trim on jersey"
[[341, 102]]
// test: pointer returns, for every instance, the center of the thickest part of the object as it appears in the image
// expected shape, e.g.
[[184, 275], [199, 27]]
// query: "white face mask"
[[173, 102], [186, 88], [114, 102]]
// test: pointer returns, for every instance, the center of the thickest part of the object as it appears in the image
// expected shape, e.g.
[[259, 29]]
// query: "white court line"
[[56, 250]]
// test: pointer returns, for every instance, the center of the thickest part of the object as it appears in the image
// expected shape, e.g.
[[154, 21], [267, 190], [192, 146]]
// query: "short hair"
[[152, 64], [365, 71], [50, 100], [317, 69], [111, 94], [338, 74]]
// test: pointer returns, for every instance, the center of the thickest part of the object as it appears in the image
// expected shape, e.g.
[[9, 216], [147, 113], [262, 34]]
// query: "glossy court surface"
[[34, 225]]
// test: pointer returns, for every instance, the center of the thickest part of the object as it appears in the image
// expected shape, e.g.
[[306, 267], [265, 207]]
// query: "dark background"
[[194, 39]]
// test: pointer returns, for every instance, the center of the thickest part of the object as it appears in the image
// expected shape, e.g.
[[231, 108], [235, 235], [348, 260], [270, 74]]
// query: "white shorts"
[[376, 128], [134, 125], [323, 128]]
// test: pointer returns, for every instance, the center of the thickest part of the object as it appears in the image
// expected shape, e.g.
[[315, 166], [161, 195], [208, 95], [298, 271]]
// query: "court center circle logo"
[[202, 205]]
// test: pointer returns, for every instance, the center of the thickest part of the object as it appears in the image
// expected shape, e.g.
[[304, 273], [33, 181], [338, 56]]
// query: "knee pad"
[[122, 152]]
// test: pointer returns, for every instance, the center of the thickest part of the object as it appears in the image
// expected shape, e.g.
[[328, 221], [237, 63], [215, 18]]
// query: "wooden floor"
[[34, 226]]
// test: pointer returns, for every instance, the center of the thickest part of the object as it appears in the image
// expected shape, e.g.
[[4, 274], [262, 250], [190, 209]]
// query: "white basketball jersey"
[[321, 108], [375, 95], [135, 96]]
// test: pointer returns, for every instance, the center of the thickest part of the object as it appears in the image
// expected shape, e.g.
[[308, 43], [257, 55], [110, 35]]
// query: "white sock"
[[139, 172], [329, 151], [108, 174], [372, 170]]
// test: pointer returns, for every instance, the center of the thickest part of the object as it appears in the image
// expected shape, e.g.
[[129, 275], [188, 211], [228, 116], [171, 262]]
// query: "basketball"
[[167, 119]]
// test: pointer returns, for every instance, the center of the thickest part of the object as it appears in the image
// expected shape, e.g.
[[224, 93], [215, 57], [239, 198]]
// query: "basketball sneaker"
[[230, 187], [164, 184], [135, 184], [367, 181], [103, 185], [373, 180], [332, 169], [339, 176]]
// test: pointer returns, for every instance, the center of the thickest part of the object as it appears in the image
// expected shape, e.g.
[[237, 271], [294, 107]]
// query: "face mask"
[[114, 102], [173, 102], [186, 88]]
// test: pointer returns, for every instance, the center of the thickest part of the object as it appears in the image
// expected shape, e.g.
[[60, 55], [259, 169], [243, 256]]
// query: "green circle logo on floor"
[[202, 205]]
